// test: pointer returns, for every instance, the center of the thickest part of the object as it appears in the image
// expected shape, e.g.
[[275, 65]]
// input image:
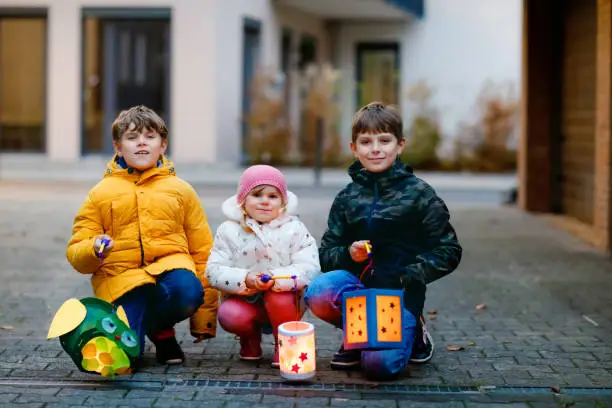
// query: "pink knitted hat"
[[258, 175]]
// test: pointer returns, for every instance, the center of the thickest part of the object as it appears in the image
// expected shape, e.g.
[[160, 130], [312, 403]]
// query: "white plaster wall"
[[228, 65], [229, 61], [193, 93], [455, 48], [301, 24], [348, 35], [63, 81], [206, 70]]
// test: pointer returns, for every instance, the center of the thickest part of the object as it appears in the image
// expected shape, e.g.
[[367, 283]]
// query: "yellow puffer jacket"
[[157, 224]]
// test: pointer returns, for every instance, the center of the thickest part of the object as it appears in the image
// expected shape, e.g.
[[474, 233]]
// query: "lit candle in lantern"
[[296, 346], [372, 318]]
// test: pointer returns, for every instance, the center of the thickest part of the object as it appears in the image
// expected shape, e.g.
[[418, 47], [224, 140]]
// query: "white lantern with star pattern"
[[296, 347]]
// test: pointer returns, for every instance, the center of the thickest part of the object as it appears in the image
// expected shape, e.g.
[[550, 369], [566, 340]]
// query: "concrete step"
[[91, 169]]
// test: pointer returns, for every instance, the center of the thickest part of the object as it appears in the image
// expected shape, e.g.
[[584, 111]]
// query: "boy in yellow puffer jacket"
[[143, 236]]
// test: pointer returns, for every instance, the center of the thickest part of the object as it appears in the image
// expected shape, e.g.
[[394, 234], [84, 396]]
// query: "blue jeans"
[[324, 298], [154, 308]]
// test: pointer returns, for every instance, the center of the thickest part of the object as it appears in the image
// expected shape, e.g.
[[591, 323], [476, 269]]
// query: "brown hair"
[[142, 117], [376, 117]]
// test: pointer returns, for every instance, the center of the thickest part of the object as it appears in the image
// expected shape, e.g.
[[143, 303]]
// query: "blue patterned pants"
[[155, 309]]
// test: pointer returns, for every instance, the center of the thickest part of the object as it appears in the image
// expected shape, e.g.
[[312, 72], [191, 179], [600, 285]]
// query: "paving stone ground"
[[547, 320]]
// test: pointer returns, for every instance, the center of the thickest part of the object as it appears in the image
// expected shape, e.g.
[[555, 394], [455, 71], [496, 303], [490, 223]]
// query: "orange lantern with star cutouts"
[[372, 319], [296, 348]]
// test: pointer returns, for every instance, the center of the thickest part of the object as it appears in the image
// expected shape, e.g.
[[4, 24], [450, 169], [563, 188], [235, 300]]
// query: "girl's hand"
[[98, 244], [358, 251], [253, 281]]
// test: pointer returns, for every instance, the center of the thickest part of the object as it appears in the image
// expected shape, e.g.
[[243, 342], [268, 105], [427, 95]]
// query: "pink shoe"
[[250, 347], [275, 358]]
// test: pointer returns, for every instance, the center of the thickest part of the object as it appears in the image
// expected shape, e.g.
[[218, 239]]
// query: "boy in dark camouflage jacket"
[[408, 228]]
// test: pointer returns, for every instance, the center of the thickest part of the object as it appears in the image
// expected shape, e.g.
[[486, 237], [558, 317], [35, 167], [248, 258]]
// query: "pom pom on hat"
[[258, 175]]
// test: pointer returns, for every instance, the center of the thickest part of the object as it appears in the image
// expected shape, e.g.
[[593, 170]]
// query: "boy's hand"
[[253, 281], [358, 251], [98, 244]]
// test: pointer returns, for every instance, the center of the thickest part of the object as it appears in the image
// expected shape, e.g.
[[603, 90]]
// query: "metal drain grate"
[[104, 383], [358, 388], [317, 389], [390, 388]]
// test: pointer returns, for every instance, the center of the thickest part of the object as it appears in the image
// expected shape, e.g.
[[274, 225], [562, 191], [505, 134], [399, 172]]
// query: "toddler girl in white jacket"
[[262, 238]]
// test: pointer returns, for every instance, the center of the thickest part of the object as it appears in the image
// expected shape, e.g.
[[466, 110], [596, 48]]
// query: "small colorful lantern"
[[296, 347], [373, 319], [97, 336]]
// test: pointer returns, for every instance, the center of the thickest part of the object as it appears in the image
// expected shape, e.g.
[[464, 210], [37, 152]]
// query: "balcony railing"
[[358, 9], [416, 7]]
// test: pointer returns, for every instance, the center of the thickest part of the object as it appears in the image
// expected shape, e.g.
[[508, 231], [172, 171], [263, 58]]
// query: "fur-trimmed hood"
[[232, 210], [281, 247]]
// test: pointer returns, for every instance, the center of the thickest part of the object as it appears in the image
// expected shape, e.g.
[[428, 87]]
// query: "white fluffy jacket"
[[282, 247]]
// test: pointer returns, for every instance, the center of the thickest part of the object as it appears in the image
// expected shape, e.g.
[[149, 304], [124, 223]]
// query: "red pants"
[[241, 318]]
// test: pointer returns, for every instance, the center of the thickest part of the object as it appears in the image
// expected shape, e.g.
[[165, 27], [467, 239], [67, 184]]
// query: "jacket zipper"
[[372, 207], [141, 248], [139, 230]]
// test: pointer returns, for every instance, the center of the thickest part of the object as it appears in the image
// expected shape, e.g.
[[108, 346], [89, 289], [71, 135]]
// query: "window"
[[125, 63], [286, 51], [23, 40], [308, 51], [377, 73]]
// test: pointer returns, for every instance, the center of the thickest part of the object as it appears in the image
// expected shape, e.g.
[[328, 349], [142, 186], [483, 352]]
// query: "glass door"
[[378, 75], [127, 64]]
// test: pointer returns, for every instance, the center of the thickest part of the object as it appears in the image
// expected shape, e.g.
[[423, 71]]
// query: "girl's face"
[[263, 203]]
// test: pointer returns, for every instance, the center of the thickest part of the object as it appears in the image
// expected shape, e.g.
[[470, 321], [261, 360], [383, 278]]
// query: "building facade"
[[68, 66], [565, 161]]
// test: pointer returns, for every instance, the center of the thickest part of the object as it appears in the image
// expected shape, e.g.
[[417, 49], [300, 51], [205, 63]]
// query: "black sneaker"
[[346, 359], [423, 348], [168, 351]]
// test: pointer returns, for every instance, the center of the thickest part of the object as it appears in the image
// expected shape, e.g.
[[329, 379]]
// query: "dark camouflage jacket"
[[413, 242]]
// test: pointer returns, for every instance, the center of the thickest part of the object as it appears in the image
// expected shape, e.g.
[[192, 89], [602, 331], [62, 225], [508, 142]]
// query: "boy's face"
[[141, 149], [377, 151]]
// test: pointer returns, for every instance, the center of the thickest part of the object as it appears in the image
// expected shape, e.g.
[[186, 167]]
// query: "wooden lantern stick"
[[267, 278], [103, 245], [370, 264]]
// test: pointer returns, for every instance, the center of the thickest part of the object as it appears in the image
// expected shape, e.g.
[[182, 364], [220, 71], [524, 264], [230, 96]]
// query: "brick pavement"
[[546, 323]]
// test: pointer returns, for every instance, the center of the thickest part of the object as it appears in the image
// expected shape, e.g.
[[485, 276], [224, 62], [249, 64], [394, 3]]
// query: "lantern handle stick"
[[266, 278], [103, 245], [370, 265]]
